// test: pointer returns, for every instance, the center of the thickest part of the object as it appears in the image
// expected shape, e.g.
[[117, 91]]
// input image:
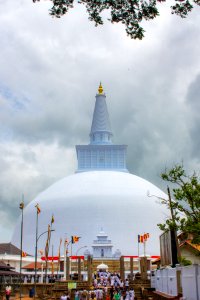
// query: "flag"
[[59, 249], [146, 236], [21, 205], [24, 254], [47, 249], [49, 233], [59, 255], [38, 209], [75, 239], [140, 238], [48, 241], [41, 252], [52, 219]]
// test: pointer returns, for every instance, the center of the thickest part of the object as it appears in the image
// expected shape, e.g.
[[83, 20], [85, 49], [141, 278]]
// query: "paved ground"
[[23, 297]]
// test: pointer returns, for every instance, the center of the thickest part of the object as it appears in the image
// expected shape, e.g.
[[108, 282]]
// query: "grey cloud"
[[193, 104]]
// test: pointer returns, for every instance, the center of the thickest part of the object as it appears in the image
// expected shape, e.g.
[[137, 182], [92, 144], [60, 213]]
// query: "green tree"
[[129, 12], [185, 206]]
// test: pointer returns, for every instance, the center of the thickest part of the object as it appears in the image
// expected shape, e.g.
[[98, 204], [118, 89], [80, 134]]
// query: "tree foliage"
[[185, 204], [129, 12], [185, 262]]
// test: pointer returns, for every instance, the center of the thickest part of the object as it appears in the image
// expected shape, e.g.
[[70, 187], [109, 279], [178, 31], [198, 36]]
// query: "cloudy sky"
[[49, 74]]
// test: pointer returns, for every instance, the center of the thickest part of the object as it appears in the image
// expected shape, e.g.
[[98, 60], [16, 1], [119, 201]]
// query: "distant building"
[[102, 247], [11, 255], [189, 250]]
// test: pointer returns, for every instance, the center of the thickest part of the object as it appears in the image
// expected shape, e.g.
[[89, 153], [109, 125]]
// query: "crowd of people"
[[107, 279], [106, 286], [102, 294]]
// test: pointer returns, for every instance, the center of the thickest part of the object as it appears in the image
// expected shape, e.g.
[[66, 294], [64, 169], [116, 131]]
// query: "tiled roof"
[[32, 266], [3, 266], [156, 260], [188, 242], [9, 248], [8, 272]]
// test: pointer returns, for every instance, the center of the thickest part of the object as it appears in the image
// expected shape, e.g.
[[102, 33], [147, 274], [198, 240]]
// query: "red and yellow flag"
[[52, 219], [21, 205], [146, 236], [59, 255], [41, 252], [47, 249], [59, 249], [24, 254], [38, 209], [75, 239], [143, 238]]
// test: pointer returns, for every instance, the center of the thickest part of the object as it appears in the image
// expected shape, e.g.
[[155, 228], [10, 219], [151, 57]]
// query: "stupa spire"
[[101, 154], [100, 89], [100, 130]]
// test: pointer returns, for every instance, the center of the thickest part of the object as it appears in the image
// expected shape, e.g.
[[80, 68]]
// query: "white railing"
[[166, 281], [190, 284]]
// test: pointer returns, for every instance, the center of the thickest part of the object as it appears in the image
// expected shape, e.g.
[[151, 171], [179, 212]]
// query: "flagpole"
[[65, 260], [144, 241], [21, 206], [42, 270], [138, 245], [139, 241], [71, 262], [36, 240], [47, 253], [52, 268], [58, 260], [58, 266]]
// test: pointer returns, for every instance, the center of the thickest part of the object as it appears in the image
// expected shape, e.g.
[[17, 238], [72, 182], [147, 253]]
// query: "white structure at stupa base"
[[102, 247], [101, 193], [102, 267]]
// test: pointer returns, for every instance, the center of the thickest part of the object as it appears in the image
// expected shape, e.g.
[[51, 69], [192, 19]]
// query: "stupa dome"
[[84, 202], [117, 253], [100, 194], [86, 253]]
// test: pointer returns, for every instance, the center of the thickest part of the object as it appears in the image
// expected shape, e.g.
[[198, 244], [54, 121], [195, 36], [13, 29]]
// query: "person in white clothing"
[[127, 296], [8, 292], [131, 294], [64, 297], [126, 283], [121, 284]]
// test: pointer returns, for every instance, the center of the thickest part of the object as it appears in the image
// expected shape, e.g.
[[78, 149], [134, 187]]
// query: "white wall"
[[188, 254], [166, 281], [190, 282]]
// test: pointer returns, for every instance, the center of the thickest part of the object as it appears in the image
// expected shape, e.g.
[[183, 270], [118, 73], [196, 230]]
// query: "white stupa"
[[102, 247], [102, 193]]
